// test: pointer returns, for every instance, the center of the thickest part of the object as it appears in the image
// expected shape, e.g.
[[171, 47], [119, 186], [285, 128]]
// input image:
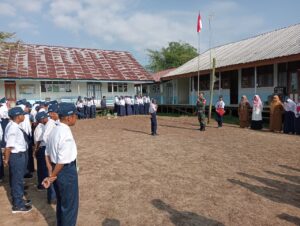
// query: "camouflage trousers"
[[201, 118]]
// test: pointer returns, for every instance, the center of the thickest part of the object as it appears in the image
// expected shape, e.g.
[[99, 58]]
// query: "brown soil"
[[183, 177]]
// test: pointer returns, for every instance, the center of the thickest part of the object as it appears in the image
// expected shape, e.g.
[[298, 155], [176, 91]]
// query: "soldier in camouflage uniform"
[[200, 106]]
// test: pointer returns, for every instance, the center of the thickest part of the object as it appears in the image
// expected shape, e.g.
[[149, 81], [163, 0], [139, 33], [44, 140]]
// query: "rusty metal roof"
[[28, 61], [275, 44]]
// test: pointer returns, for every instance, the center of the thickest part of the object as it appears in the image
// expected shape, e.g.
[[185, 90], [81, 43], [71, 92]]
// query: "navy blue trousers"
[[128, 109], [153, 123], [4, 123], [30, 163], [42, 171], [81, 110], [146, 108], [66, 188], [136, 109], [219, 119], [17, 165], [141, 109], [122, 110], [93, 111]]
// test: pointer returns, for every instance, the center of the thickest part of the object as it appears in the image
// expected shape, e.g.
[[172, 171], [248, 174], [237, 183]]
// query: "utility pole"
[[212, 82]]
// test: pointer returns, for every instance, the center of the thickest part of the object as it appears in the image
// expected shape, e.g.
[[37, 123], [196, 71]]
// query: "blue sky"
[[138, 25]]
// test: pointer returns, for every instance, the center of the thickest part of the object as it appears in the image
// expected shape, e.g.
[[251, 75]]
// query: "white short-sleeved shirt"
[[152, 108], [38, 134], [50, 125], [122, 102], [61, 145], [220, 104], [26, 125], [4, 111], [14, 138]]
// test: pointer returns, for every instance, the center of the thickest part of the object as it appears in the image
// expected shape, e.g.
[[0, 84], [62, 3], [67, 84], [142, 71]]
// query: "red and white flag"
[[199, 23]]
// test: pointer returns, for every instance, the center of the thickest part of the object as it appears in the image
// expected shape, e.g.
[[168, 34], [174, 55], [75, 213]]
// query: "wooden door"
[[10, 91]]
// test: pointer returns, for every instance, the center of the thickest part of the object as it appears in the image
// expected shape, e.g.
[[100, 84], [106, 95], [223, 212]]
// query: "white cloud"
[[22, 24], [29, 5], [112, 22], [230, 22], [7, 10]]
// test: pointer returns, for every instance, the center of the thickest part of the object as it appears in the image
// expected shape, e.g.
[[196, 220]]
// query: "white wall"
[[77, 88]]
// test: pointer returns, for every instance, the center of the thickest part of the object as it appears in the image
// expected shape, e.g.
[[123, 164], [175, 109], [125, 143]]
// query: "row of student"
[[283, 116], [287, 112], [87, 107], [56, 153], [127, 105]]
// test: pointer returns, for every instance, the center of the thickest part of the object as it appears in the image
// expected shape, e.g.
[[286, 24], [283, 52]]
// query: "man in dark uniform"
[[200, 106]]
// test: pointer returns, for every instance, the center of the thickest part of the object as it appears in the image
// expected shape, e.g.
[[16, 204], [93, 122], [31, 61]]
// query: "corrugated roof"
[[53, 62], [278, 43], [156, 76]]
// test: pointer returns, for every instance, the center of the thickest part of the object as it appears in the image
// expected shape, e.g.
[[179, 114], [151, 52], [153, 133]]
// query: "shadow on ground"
[[183, 218], [111, 222]]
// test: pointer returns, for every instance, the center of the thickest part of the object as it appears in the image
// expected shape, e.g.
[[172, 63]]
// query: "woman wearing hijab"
[[289, 116], [276, 111], [257, 122], [243, 111]]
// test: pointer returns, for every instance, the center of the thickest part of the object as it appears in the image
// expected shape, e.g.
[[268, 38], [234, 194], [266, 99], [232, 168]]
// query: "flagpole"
[[199, 51], [198, 85]]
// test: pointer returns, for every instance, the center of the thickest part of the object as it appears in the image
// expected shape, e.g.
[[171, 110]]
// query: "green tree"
[[174, 55], [6, 43]]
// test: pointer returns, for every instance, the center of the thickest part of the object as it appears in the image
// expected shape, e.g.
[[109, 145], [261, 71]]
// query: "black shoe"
[[28, 175], [24, 209], [28, 202]]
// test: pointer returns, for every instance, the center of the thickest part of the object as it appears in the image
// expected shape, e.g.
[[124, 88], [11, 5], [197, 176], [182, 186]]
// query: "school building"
[[263, 65], [41, 72]]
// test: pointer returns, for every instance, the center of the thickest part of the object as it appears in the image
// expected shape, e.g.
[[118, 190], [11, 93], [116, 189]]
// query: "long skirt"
[[289, 122], [256, 125], [128, 109], [122, 110]]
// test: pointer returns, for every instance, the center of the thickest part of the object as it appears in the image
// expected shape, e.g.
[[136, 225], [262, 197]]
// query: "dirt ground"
[[183, 177]]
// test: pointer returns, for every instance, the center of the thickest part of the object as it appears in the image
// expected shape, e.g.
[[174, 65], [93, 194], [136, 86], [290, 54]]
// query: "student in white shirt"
[[152, 112], [122, 106], [16, 147], [220, 105], [26, 127], [4, 120], [62, 151], [39, 148], [136, 105], [49, 124]]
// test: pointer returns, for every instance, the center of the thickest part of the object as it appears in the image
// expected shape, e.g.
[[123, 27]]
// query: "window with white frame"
[[117, 87], [55, 86]]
